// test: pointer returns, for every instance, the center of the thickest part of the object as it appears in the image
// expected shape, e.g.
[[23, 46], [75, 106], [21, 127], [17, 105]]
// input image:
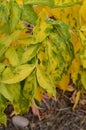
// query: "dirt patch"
[[59, 117]]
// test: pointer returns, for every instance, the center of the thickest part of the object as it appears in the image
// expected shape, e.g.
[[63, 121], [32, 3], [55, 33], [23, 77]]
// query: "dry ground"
[[59, 117]]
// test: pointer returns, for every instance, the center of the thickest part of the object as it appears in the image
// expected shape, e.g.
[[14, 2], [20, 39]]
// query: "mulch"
[[59, 117]]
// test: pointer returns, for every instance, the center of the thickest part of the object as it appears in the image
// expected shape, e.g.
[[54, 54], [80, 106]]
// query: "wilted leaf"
[[76, 99]]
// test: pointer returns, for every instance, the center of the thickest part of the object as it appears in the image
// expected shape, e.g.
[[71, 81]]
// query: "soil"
[[59, 117]]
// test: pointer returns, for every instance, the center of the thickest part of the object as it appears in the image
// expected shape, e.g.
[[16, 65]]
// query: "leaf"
[[42, 28], [83, 58], [18, 74], [10, 92], [82, 35], [45, 82], [15, 12], [38, 93], [12, 56], [39, 2], [2, 67], [76, 99], [7, 40], [66, 3], [83, 78], [63, 83], [31, 52], [28, 14], [75, 69], [19, 2], [3, 118], [53, 3], [3, 105], [83, 10], [29, 87], [56, 61], [63, 28], [71, 17]]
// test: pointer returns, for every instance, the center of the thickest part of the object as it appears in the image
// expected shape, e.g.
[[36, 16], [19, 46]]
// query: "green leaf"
[[4, 11], [64, 47], [62, 28], [12, 56], [42, 28], [3, 118], [3, 105], [7, 40], [15, 12], [30, 53], [29, 87], [2, 67], [10, 92], [10, 76], [53, 3], [66, 3], [83, 58], [28, 14], [39, 2], [56, 62], [45, 82], [83, 78]]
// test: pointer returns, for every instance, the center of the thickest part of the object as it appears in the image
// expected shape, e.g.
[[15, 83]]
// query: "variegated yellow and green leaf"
[[6, 41], [83, 78], [53, 3], [30, 87], [45, 82], [3, 105], [42, 28], [30, 52], [15, 75], [10, 92], [15, 14], [12, 56]]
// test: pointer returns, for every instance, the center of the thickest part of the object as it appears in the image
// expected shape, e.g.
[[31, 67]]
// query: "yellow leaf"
[[75, 68], [12, 56], [45, 82], [63, 83], [10, 76], [19, 1], [38, 93], [76, 100], [83, 12], [41, 30]]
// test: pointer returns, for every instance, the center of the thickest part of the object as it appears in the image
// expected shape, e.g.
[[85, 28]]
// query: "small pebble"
[[20, 121]]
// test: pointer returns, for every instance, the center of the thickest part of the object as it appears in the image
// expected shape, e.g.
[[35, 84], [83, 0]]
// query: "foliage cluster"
[[42, 46]]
